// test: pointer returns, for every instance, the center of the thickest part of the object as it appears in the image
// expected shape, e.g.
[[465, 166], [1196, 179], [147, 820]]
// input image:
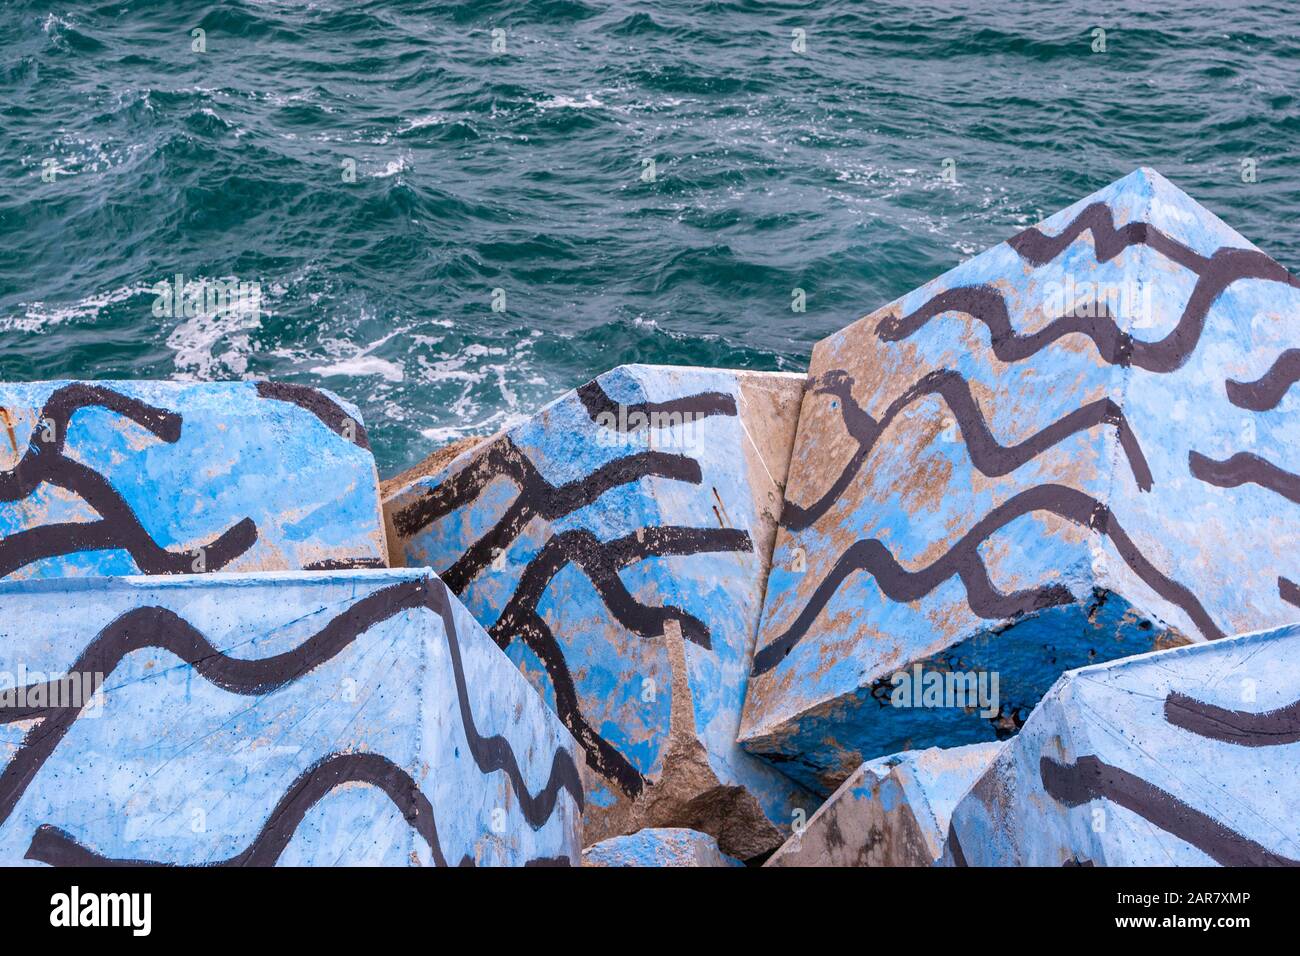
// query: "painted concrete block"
[[662, 846], [295, 718], [1183, 757], [108, 478], [891, 811], [1078, 445], [615, 545]]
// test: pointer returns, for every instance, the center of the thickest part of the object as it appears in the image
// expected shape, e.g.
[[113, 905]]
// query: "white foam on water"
[[38, 316], [569, 103], [196, 338], [420, 122], [362, 366]]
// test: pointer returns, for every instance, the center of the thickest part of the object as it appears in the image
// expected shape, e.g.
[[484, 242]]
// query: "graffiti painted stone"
[[1076, 446], [1183, 757], [108, 478], [661, 846], [615, 545], [891, 811], [311, 718]]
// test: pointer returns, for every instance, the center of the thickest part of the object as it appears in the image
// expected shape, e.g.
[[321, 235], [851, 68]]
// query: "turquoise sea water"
[[524, 170]]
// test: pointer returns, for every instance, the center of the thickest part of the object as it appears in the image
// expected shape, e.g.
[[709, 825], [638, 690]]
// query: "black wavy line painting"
[[1267, 391], [537, 497], [1090, 778], [600, 561], [1245, 468], [963, 559], [987, 305], [701, 405], [161, 628], [1271, 728], [117, 527], [990, 456], [54, 846], [316, 402]]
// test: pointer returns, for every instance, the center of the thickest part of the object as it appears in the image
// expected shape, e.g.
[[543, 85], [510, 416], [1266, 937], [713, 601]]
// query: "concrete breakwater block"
[[1183, 757], [615, 545], [107, 478], [305, 718], [891, 811], [662, 846], [1078, 445]]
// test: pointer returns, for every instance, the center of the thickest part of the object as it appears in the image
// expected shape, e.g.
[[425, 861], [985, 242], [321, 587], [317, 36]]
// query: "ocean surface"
[[381, 169]]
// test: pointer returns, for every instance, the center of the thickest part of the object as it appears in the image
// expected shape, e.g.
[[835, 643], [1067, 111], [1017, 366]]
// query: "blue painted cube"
[[1076, 446], [296, 718], [108, 478], [891, 811], [1182, 757], [615, 545], [662, 846]]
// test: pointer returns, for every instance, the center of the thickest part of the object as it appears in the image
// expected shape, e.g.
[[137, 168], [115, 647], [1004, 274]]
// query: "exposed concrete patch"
[[688, 793], [769, 412], [431, 464]]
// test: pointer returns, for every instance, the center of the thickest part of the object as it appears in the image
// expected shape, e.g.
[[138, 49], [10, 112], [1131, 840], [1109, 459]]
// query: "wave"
[[764, 177]]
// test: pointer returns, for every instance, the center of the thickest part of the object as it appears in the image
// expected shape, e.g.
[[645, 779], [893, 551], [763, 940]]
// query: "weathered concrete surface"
[[892, 811], [107, 478], [621, 564], [430, 465], [1183, 757], [661, 846], [310, 718], [995, 475]]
